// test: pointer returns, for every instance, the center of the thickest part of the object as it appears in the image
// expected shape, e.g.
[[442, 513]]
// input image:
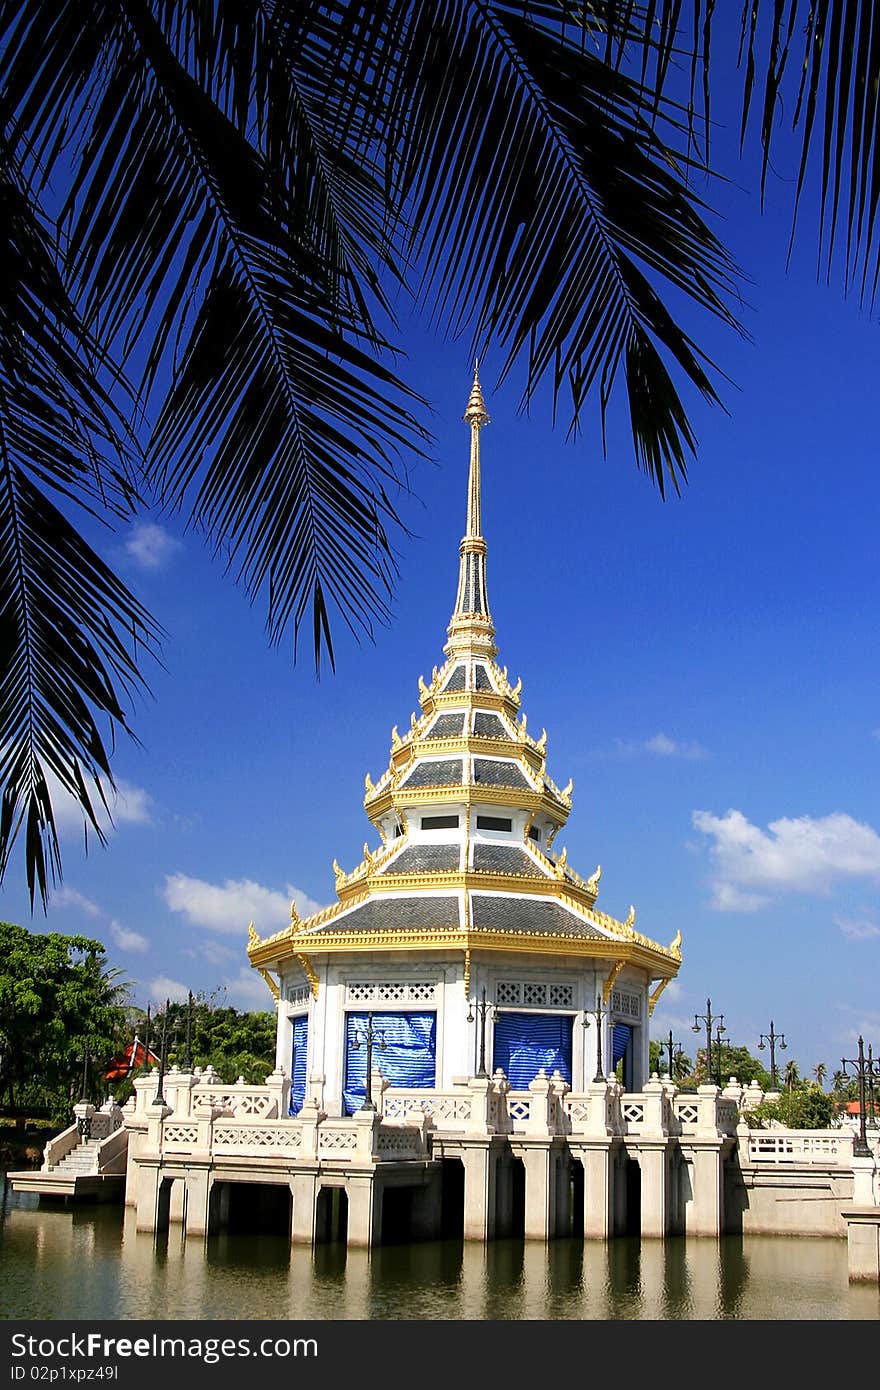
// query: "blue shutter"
[[621, 1036], [524, 1043], [298, 1063], [404, 1051]]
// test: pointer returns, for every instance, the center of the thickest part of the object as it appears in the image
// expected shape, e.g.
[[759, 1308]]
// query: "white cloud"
[[858, 928], [804, 855], [163, 988], [228, 907], [660, 745], [69, 897], [248, 990], [128, 805], [213, 952], [128, 940], [151, 546]]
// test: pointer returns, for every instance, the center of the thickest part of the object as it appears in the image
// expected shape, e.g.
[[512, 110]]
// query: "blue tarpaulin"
[[622, 1035], [298, 1063], [524, 1043], [404, 1051]]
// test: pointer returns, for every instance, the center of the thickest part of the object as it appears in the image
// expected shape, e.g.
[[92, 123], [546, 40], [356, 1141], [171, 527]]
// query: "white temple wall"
[[513, 981]]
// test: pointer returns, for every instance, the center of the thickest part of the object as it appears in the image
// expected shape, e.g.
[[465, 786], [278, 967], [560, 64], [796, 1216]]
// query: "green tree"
[[804, 1106], [234, 1042], [58, 1000], [207, 214]]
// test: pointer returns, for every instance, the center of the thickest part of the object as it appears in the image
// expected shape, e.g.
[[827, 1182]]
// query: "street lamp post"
[[709, 1018], [718, 1045], [872, 1066], [598, 1014], [861, 1148], [772, 1039], [675, 1050], [159, 1097], [367, 1037], [484, 1010]]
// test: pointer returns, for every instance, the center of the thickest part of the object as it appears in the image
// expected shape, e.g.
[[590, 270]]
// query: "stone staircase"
[[82, 1159], [75, 1165]]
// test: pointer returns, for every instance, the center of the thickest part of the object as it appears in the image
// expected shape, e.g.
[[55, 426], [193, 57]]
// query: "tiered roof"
[[467, 815]]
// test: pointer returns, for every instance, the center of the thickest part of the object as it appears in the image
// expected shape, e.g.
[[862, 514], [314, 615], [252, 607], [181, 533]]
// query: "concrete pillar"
[[364, 1209], [863, 1244], [479, 1191], [705, 1214], [147, 1197], [598, 1191], [540, 1168], [198, 1194], [304, 1196], [654, 1163], [177, 1204]]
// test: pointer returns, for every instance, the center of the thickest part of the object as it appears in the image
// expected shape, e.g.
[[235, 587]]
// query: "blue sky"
[[706, 668]]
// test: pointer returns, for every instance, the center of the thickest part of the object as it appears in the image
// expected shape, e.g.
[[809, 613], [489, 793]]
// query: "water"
[[88, 1262]]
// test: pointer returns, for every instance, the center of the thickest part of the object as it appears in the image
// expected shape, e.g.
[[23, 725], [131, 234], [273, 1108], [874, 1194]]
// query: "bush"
[[803, 1107]]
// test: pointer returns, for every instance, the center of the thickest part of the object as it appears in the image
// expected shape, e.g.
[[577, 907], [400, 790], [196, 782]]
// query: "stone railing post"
[[656, 1106], [560, 1089], [752, 1097], [500, 1086], [178, 1091], [310, 1118], [540, 1119], [367, 1124], [707, 1117], [378, 1086], [735, 1091], [278, 1085], [601, 1103], [482, 1089]]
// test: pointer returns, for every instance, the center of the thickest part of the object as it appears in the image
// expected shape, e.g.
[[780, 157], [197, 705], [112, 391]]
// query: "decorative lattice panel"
[[251, 1137], [180, 1136], [297, 994], [535, 994], [391, 992], [626, 1004]]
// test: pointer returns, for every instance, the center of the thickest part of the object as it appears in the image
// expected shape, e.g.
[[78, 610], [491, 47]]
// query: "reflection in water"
[[89, 1262]]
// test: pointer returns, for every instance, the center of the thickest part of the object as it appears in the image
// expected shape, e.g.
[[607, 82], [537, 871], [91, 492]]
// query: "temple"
[[462, 1042], [463, 941]]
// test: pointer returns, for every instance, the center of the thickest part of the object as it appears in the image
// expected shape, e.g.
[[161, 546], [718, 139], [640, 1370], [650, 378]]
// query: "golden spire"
[[470, 629]]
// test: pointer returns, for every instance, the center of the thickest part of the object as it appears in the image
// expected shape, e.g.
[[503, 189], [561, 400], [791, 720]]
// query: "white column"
[[479, 1191]]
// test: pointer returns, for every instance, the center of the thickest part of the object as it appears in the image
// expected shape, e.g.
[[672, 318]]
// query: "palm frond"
[[68, 628]]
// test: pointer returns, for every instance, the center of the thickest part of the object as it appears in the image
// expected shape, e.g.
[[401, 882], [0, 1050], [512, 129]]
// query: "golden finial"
[[631, 919], [593, 880], [395, 738], [504, 675], [476, 413], [568, 789], [338, 872], [675, 944], [522, 725], [423, 689], [368, 784], [434, 676], [542, 741], [517, 688], [367, 855], [562, 858], [412, 723], [253, 938], [294, 915]]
